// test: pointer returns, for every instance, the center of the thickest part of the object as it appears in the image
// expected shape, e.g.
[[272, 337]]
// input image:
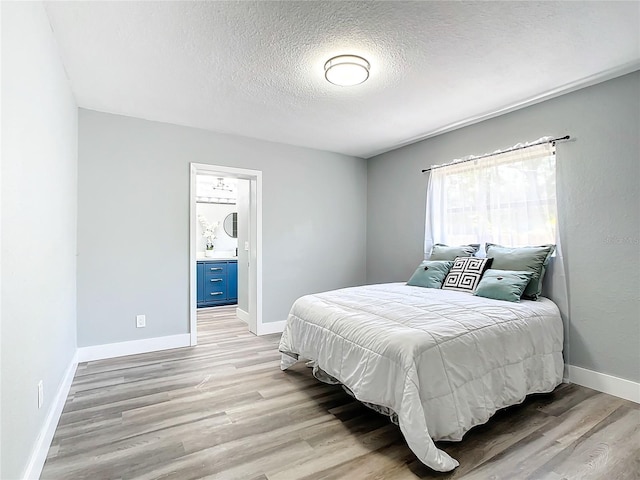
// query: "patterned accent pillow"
[[466, 273]]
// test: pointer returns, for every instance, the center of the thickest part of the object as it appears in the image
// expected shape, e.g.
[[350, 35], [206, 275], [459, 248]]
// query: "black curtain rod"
[[553, 140]]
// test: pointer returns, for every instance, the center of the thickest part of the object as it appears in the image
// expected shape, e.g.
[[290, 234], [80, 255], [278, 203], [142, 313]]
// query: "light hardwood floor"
[[224, 410]]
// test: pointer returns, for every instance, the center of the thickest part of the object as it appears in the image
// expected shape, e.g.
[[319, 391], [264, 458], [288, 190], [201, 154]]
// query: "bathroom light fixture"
[[211, 189], [346, 70], [222, 186]]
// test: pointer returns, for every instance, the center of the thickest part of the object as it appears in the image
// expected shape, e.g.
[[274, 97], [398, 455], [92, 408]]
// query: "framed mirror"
[[230, 225]]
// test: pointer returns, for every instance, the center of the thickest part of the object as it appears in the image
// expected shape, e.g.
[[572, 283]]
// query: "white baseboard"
[[43, 442], [271, 327], [242, 315], [602, 382], [121, 349]]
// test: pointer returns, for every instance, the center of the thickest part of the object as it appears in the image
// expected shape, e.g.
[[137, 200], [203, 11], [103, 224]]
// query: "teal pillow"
[[503, 284], [430, 274], [523, 259], [443, 252]]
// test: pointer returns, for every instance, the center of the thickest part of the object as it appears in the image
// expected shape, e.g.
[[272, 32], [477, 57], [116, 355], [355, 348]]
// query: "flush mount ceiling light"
[[346, 70]]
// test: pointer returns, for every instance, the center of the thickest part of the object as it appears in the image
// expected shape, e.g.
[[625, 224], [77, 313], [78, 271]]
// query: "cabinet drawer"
[[215, 288], [215, 296], [216, 268], [213, 280]]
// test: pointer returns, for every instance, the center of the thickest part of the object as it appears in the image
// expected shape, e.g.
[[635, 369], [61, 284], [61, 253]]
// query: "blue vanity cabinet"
[[232, 281], [217, 282], [200, 286]]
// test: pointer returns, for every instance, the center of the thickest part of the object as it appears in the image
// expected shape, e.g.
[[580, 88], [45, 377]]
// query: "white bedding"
[[444, 361]]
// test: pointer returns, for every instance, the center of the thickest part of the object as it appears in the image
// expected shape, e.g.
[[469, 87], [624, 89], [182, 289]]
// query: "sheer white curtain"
[[508, 198]]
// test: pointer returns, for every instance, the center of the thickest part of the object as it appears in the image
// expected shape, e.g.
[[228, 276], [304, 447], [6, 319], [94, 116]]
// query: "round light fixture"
[[346, 70]]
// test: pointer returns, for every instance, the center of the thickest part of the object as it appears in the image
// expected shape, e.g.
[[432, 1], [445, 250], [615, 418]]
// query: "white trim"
[[255, 268], [271, 327], [133, 347], [193, 280], [556, 92], [242, 315], [258, 259], [602, 382], [43, 442]]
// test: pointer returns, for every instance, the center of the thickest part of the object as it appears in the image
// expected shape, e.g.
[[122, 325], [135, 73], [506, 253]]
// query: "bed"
[[441, 361]]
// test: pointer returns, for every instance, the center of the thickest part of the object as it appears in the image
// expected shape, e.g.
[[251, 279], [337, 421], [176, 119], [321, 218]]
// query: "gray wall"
[[599, 210], [133, 225], [38, 218]]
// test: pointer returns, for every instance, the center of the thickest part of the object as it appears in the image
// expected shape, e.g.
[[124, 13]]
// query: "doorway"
[[249, 247]]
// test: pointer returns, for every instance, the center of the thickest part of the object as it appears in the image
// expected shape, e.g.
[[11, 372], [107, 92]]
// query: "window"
[[508, 198]]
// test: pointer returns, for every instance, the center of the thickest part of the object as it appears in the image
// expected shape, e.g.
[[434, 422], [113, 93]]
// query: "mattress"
[[443, 361]]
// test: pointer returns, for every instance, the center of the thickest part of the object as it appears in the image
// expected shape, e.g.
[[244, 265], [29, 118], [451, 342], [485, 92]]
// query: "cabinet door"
[[200, 283], [232, 280]]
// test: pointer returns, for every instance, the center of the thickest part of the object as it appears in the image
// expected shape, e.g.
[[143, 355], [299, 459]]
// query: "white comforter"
[[444, 361]]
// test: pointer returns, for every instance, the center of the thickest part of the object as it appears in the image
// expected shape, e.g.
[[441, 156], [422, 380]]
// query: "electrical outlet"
[[141, 321], [40, 394], [246, 246]]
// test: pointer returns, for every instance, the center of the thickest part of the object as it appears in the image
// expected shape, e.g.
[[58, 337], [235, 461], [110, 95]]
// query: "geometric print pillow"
[[466, 273]]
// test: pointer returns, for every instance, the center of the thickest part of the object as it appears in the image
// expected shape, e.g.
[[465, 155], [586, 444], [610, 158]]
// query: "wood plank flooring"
[[224, 410]]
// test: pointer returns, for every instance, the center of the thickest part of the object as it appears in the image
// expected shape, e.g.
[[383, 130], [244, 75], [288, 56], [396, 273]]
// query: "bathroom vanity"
[[217, 282]]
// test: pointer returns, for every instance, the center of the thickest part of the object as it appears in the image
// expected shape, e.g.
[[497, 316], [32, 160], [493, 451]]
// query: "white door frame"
[[255, 251]]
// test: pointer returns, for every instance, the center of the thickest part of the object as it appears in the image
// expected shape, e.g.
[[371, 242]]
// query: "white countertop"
[[203, 258]]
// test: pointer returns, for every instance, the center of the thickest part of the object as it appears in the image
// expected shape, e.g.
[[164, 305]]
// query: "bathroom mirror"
[[230, 225]]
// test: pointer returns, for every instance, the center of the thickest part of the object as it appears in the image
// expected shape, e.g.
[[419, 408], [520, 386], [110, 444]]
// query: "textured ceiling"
[[256, 68]]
